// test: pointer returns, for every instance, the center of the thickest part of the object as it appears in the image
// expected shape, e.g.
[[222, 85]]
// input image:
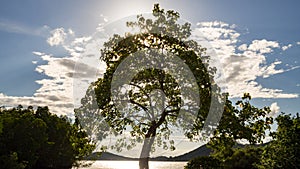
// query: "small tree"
[[168, 84]]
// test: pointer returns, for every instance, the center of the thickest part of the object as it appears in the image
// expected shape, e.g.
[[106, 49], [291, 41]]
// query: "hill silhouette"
[[201, 151]]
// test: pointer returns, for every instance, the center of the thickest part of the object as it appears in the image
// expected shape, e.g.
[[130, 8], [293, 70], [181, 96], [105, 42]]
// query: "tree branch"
[[140, 105], [151, 107]]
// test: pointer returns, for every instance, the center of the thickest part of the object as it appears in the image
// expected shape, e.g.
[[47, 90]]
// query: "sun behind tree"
[[156, 80]]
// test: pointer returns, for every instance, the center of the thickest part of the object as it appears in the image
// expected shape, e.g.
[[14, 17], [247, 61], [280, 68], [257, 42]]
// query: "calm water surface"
[[135, 165]]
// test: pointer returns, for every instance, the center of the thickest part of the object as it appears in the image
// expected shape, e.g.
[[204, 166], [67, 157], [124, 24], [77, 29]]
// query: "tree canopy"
[[38, 139], [156, 79]]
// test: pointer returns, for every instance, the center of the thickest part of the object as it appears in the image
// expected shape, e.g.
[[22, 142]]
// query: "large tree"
[[156, 79]]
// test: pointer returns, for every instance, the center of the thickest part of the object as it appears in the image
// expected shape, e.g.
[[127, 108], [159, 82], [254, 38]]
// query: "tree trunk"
[[145, 153], [144, 163], [149, 140]]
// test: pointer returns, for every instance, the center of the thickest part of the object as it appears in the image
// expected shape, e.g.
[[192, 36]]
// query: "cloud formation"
[[239, 66], [274, 109], [57, 37], [263, 46], [284, 48], [67, 77]]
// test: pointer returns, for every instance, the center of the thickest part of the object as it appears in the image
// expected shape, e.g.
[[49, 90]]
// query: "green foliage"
[[239, 121], [241, 158], [160, 37], [38, 139], [21, 129], [1, 126], [284, 150], [11, 161], [244, 121], [204, 162], [164, 34], [244, 158]]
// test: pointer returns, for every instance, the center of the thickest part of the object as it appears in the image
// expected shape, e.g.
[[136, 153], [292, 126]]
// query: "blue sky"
[[42, 41]]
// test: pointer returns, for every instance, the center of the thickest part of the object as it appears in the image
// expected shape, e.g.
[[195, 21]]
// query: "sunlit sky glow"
[[257, 42]]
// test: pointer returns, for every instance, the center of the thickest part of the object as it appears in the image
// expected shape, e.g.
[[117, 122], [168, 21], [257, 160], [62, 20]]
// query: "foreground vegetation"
[[38, 139], [282, 152]]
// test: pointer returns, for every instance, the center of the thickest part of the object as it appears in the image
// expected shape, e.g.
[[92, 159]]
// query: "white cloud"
[[38, 53], [298, 43], [243, 47], [71, 32], [274, 109], [55, 91], [2, 95], [56, 106], [284, 48], [65, 74], [82, 40], [238, 70], [57, 37], [271, 70], [213, 24], [263, 46], [69, 76]]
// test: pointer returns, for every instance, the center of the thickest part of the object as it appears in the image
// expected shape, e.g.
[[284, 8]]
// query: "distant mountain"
[[201, 151], [108, 156]]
